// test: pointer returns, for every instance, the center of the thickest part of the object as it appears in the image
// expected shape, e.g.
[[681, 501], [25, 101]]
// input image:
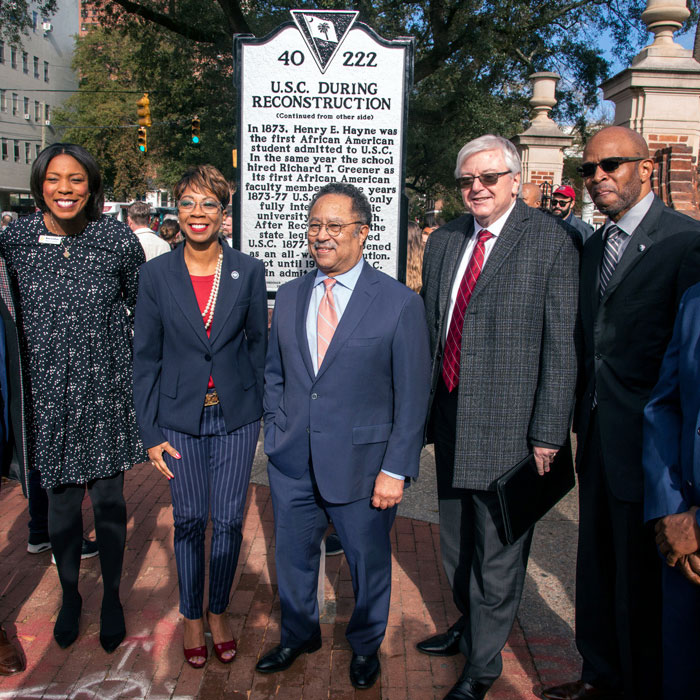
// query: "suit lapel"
[[302, 310], [590, 274], [637, 247], [360, 300], [229, 290], [453, 254], [182, 292]]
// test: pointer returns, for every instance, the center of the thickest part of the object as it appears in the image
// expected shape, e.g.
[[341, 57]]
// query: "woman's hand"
[[155, 455]]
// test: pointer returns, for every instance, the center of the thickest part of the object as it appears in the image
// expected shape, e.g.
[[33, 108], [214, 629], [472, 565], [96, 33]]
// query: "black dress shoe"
[[445, 644], [467, 689], [364, 670], [281, 658]]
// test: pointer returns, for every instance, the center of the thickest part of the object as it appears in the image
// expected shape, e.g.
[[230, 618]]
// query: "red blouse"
[[202, 285]]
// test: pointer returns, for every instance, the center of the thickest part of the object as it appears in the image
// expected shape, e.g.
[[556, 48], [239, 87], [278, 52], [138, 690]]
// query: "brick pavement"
[[149, 664]]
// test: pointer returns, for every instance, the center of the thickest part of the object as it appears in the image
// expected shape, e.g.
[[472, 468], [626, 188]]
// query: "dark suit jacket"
[[173, 357], [626, 334], [365, 409], [16, 399], [518, 363], [671, 455]]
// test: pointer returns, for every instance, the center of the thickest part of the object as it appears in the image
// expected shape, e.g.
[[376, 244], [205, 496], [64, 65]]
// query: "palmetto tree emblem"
[[323, 27]]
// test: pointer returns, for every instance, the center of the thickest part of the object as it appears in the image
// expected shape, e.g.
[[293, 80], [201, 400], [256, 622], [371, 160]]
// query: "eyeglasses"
[[607, 165], [560, 202], [208, 206], [334, 229], [465, 182]]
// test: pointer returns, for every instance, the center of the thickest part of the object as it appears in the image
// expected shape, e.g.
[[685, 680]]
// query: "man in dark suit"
[[671, 460], [634, 271], [12, 427], [500, 291], [346, 393]]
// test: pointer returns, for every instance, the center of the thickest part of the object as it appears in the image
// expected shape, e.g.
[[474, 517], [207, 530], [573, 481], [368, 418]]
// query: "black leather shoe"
[[467, 689], [445, 644], [281, 658], [364, 670]]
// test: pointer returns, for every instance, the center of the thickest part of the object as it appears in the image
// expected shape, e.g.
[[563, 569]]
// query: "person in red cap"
[[563, 199]]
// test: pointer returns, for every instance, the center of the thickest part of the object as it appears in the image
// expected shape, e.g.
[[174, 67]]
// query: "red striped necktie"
[[453, 344]]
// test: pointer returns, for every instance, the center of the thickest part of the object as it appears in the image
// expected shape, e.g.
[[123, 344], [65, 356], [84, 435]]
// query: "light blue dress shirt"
[[342, 291]]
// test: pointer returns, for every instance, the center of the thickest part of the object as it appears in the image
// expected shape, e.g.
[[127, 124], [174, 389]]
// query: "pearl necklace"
[[208, 313]]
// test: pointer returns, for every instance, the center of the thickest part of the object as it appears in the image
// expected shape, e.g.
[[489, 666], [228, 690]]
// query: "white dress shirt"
[[630, 221]]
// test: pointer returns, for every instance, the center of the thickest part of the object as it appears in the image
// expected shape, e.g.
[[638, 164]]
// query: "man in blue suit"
[[346, 394], [671, 460]]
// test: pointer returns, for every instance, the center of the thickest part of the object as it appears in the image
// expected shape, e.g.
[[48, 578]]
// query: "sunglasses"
[[465, 183], [607, 165]]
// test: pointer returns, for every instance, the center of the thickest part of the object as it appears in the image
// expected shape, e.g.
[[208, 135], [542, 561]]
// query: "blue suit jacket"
[[671, 455], [364, 411], [173, 357]]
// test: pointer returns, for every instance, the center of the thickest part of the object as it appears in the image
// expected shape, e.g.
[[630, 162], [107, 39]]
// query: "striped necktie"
[[453, 343], [611, 255], [327, 320]]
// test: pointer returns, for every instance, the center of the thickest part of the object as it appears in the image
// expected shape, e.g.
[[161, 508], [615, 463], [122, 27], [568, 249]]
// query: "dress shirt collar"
[[631, 220], [497, 226], [145, 229], [347, 279]]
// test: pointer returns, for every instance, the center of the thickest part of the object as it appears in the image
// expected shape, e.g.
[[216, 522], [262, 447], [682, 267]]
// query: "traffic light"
[[143, 110], [195, 130], [143, 139]]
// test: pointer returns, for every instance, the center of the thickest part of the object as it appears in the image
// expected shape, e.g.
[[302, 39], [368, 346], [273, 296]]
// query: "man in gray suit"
[[500, 287]]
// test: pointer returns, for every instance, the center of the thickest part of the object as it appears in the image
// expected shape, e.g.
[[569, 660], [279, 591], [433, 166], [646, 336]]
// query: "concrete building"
[[34, 78]]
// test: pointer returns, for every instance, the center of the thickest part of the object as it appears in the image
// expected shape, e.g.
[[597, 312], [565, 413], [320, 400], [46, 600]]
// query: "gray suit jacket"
[[518, 361]]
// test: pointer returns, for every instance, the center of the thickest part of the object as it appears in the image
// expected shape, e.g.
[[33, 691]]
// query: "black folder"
[[524, 496]]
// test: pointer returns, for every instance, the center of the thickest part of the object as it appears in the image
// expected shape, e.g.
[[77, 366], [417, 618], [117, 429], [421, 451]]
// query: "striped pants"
[[213, 473]]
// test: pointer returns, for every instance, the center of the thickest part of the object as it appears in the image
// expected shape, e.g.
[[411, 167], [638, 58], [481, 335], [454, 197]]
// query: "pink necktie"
[[327, 321], [453, 344]]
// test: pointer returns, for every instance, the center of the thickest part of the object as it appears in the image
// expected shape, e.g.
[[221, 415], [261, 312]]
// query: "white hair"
[[490, 142]]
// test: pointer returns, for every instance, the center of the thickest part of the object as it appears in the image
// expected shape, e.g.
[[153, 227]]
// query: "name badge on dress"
[[49, 238]]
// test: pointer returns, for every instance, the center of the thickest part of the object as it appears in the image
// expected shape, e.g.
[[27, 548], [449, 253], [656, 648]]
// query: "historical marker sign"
[[322, 98]]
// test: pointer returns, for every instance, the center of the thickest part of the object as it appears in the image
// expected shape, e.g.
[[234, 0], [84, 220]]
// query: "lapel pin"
[[235, 274], [641, 248]]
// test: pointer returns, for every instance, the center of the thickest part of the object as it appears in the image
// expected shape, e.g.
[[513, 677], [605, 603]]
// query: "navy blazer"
[[671, 451], [364, 411], [173, 357]]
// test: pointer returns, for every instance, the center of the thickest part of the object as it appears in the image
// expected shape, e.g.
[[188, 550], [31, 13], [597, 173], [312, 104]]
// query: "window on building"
[[16, 151], [47, 113], [25, 62], [15, 103], [13, 57], [27, 152], [35, 20], [37, 111], [3, 103], [46, 71], [2, 52], [4, 149], [37, 150], [36, 67], [26, 107]]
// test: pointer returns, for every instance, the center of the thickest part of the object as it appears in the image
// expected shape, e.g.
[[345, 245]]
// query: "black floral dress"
[[76, 315]]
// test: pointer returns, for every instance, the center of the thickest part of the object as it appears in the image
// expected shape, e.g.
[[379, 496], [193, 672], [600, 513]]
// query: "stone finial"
[[663, 18], [542, 100]]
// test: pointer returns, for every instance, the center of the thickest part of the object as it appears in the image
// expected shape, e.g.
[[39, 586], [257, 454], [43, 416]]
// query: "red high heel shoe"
[[195, 652], [219, 650]]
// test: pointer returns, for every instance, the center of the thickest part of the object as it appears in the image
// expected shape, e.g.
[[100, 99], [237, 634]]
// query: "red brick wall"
[[675, 175]]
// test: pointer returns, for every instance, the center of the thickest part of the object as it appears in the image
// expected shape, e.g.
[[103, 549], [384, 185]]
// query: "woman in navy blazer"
[[200, 337]]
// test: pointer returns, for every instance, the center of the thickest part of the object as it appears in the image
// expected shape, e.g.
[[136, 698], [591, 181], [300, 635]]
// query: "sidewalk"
[[149, 664]]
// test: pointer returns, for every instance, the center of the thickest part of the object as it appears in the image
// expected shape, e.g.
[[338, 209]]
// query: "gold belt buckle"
[[211, 398]]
